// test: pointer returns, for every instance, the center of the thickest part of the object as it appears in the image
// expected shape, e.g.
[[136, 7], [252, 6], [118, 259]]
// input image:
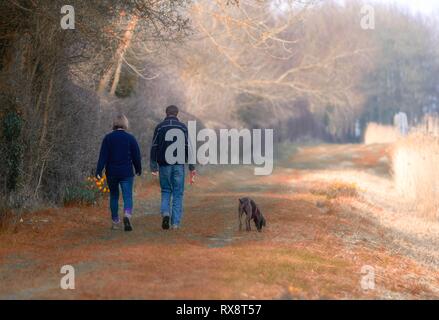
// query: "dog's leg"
[[249, 215], [240, 213], [247, 221]]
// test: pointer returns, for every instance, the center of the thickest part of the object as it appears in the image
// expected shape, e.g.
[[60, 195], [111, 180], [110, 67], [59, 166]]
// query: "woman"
[[119, 154]]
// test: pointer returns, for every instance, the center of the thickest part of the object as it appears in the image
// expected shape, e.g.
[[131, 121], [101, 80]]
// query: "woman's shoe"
[[115, 226]]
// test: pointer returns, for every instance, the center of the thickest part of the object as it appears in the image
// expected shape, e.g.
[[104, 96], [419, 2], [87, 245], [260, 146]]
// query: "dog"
[[251, 210]]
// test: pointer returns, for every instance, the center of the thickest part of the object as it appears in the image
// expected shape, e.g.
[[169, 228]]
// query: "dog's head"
[[260, 223], [243, 203]]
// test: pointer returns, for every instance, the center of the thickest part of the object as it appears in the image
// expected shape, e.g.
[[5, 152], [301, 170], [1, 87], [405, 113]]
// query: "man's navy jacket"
[[159, 144]]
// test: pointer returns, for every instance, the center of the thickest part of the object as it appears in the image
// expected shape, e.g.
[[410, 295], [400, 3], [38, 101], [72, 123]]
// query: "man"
[[171, 176]]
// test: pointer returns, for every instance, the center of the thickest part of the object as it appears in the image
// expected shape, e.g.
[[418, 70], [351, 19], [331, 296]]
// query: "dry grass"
[[337, 189], [377, 133], [303, 253], [430, 125], [5, 216], [414, 166]]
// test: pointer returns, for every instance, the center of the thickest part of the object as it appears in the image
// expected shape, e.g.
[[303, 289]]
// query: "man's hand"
[[155, 173], [192, 175]]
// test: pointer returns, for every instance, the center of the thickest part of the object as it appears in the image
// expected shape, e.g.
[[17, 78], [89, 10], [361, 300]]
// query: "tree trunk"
[[120, 52], [123, 48]]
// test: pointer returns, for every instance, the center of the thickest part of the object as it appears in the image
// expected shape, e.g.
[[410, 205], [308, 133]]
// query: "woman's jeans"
[[126, 184], [172, 185]]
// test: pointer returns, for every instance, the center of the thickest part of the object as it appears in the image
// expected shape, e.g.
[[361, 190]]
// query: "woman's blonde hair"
[[120, 122]]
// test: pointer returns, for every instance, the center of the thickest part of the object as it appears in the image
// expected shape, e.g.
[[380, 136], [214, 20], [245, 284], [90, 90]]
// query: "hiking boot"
[[165, 223], [127, 224], [115, 225]]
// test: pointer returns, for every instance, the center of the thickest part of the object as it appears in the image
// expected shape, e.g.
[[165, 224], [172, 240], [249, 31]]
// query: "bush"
[[378, 133], [87, 193], [81, 195], [336, 190], [414, 165]]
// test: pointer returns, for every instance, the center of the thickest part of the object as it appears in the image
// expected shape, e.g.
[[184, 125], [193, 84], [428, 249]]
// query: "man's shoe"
[[175, 226], [127, 224], [165, 223]]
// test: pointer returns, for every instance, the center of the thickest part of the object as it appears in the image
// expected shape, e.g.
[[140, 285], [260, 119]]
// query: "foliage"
[[337, 189], [53, 75], [404, 76], [81, 195], [86, 193]]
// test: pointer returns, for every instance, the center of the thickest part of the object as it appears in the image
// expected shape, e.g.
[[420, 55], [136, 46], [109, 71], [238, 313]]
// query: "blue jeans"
[[126, 184], [172, 185]]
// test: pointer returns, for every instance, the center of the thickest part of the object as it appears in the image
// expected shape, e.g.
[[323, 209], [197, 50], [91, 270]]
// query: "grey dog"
[[251, 210]]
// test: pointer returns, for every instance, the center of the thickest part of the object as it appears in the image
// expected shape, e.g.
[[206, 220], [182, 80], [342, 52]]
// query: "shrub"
[[80, 195], [88, 192], [337, 189], [378, 133], [414, 165]]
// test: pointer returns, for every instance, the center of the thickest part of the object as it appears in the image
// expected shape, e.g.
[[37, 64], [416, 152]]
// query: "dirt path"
[[325, 222]]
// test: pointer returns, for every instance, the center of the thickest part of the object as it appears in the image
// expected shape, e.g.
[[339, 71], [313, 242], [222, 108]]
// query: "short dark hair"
[[172, 110]]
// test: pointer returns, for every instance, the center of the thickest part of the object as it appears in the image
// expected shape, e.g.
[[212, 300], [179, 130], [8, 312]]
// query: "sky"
[[427, 7]]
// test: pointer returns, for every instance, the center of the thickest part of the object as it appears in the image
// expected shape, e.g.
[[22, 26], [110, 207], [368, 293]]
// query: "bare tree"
[[275, 54], [52, 76]]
